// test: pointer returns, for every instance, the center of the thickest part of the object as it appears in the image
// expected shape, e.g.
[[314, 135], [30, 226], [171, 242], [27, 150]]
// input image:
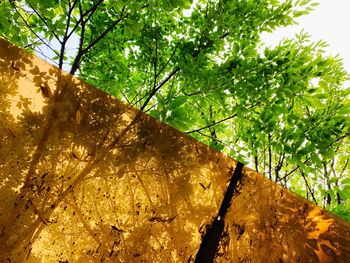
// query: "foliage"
[[201, 67]]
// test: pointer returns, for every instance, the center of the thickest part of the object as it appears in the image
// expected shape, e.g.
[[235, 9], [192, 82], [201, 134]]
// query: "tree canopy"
[[201, 67]]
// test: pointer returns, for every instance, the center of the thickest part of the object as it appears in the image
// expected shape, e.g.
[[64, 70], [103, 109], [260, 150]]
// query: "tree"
[[201, 67]]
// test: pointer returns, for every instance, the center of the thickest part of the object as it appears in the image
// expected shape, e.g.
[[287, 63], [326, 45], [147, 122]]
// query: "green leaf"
[[178, 101], [333, 180], [345, 109], [345, 181]]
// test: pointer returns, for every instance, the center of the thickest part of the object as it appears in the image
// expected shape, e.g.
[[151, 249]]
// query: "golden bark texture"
[[86, 178]]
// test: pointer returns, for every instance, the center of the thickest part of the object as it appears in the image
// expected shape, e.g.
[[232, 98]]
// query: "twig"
[[30, 28], [220, 121], [78, 58], [161, 84], [66, 36], [308, 159], [308, 187], [92, 10], [44, 21]]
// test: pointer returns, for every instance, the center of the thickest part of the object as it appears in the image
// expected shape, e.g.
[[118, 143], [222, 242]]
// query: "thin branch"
[[90, 15], [41, 52], [308, 187], [308, 159], [96, 40], [126, 98], [344, 167], [66, 37], [29, 27], [69, 17], [76, 62], [220, 121], [270, 157], [44, 21], [327, 197], [30, 45], [81, 19], [137, 101], [210, 137], [256, 161], [212, 124], [170, 58], [161, 84], [155, 61], [202, 92], [78, 58], [195, 53], [279, 165], [149, 94], [150, 108]]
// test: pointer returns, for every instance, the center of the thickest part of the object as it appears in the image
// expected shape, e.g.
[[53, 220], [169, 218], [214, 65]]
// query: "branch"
[[203, 91], [161, 84], [44, 21], [195, 53], [279, 165], [220, 121], [155, 62], [256, 161], [308, 159], [346, 164], [82, 15], [70, 10], [210, 137], [94, 42], [31, 44], [308, 187], [129, 102], [66, 37], [29, 27], [270, 157], [40, 51], [77, 60], [170, 58], [212, 124], [152, 92]]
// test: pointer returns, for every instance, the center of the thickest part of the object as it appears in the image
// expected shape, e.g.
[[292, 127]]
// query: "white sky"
[[330, 21]]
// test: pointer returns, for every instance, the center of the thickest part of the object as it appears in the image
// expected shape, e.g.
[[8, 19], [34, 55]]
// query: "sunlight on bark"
[[86, 178]]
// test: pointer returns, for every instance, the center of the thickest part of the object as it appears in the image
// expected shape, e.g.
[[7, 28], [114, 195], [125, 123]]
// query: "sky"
[[330, 21]]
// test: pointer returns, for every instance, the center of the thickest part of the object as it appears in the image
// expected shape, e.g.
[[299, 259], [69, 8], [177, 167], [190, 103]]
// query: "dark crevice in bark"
[[211, 239]]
